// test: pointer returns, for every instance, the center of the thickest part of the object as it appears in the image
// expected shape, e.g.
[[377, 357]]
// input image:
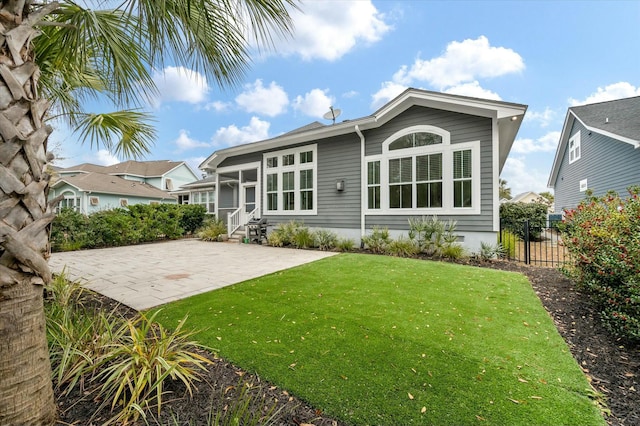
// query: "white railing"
[[236, 219], [233, 220]]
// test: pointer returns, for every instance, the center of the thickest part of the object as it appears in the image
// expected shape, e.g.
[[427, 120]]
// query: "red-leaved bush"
[[602, 236]]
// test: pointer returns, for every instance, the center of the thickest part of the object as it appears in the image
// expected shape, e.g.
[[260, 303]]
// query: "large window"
[[205, 198], [70, 201], [574, 148], [421, 172], [291, 177]]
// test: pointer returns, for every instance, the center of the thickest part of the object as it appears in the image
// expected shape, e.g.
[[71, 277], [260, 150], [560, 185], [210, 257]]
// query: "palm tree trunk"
[[26, 395]]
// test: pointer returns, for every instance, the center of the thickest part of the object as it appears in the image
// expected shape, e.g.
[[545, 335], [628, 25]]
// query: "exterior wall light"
[[340, 185]]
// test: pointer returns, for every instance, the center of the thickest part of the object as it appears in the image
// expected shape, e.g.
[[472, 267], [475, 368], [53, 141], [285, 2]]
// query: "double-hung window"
[[291, 181], [574, 148], [421, 172]]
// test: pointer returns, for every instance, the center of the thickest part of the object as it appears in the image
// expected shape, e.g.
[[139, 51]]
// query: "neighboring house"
[[423, 153], [89, 187], [202, 192], [598, 150], [530, 197]]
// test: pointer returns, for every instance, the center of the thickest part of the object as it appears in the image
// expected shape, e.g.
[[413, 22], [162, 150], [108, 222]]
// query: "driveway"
[[149, 275]]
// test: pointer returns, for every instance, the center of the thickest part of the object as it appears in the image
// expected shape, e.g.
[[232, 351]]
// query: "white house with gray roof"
[[599, 149], [423, 153]]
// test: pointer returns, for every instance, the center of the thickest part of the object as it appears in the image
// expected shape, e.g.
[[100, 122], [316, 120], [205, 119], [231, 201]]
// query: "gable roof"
[[618, 119], [508, 115], [107, 184], [523, 195], [156, 168]]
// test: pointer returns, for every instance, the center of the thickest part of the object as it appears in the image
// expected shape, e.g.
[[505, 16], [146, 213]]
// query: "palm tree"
[[53, 56], [504, 191]]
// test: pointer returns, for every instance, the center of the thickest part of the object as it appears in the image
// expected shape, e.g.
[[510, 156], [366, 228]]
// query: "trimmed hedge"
[[136, 224], [513, 216], [602, 236]]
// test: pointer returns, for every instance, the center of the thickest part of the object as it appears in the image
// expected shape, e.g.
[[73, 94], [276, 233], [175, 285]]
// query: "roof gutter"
[[363, 177]]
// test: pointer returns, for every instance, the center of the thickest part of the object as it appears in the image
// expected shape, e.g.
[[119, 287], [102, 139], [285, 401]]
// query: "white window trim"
[[296, 168], [447, 149], [576, 139]]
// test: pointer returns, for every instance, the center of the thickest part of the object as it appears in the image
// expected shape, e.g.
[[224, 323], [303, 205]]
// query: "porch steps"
[[237, 236]]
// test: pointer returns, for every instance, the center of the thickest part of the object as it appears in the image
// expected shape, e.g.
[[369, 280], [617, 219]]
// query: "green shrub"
[[139, 364], [513, 216], [69, 231], [402, 247], [111, 228], [378, 239], [303, 238], [491, 251], [325, 240], [453, 251], [212, 229], [431, 234], [601, 236], [509, 242], [345, 244], [274, 239], [247, 406], [192, 217]]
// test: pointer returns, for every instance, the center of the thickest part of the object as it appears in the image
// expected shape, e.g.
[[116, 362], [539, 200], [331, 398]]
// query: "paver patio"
[[149, 275]]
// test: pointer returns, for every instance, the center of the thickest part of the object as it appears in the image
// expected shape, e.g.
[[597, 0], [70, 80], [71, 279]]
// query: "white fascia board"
[[635, 143], [564, 137]]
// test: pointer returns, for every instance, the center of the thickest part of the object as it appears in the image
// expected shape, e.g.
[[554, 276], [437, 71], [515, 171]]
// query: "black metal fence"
[[533, 245]]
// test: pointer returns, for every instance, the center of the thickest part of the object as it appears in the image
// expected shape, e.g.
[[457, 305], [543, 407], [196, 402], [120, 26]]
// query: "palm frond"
[[126, 133]]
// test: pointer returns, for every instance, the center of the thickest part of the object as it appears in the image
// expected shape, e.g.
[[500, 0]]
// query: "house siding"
[[606, 163], [462, 128], [338, 158]]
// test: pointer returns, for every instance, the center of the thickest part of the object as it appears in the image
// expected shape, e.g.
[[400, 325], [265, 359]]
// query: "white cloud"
[[463, 62], [217, 106], [314, 103], [184, 142], [388, 91], [472, 89], [330, 29], [543, 117], [458, 70], [255, 131], [611, 92], [103, 158], [521, 177], [269, 101], [547, 143], [181, 85]]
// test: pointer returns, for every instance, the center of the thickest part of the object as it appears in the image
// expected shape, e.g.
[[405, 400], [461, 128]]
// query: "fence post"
[[527, 243]]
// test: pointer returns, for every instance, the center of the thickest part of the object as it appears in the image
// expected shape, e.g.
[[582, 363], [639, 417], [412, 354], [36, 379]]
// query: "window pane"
[[306, 200], [272, 201], [435, 195], [424, 139], [272, 162], [422, 168], [288, 181], [373, 174], [306, 157], [406, 196], [394, 196], [374, 197], [462, 164], [289, 201], [435, 167], [400, 170], [462, 193], [272, 182], [288, 160], [306, 179], [402, 143]]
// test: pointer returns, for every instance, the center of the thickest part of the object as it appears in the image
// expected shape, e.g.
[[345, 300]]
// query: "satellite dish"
[[332, 114]]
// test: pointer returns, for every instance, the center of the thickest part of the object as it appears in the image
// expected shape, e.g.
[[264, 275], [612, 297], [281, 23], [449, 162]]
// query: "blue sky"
[[357, 55]]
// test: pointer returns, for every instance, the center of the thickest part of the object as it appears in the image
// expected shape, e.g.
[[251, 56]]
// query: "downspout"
[[363, 186]]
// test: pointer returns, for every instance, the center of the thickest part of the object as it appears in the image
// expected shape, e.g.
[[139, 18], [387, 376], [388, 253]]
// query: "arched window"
[[420, 171]]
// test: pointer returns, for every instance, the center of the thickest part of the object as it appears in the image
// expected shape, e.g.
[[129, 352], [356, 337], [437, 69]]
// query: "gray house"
[[598, 150], [423, 153]]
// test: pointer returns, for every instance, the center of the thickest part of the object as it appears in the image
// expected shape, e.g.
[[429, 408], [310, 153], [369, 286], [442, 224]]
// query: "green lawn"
[[382, 340]]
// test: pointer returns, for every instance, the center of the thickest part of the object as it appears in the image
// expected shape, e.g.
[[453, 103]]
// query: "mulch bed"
[[611, 365]]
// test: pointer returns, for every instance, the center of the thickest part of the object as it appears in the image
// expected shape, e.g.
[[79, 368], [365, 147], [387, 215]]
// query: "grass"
[[381, 340]]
